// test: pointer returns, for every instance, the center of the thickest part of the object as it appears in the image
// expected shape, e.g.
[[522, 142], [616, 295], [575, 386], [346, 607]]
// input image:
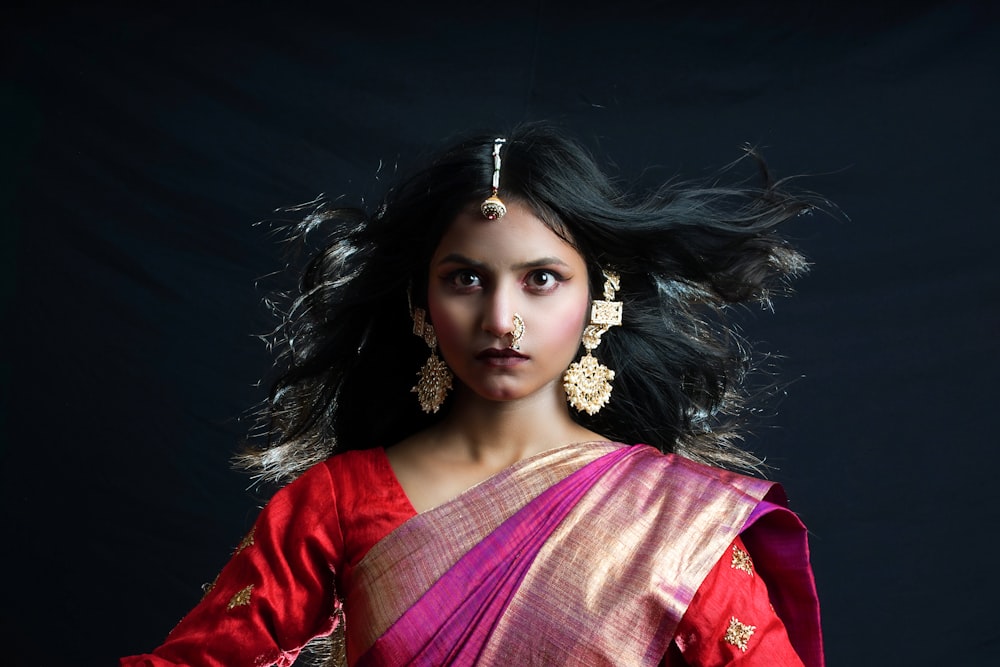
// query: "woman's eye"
[[464, 279], [543, 280]]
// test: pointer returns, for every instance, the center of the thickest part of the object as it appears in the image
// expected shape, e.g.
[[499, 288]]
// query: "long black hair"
[[346, 357]]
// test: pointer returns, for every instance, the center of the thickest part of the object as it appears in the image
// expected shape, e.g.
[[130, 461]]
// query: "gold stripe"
[[613, 581]]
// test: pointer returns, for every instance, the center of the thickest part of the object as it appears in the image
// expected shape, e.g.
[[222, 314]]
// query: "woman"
[[485, 511]]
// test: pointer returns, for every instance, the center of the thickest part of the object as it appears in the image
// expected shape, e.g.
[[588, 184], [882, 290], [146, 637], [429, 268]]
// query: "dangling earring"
[[587, 382], [516, 333], [435, 376]]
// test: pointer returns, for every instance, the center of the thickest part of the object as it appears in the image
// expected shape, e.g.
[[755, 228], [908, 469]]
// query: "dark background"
[[141, 145]]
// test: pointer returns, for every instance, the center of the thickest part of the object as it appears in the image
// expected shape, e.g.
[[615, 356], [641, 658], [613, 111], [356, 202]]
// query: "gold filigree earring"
[[435, 376], [588, 382]]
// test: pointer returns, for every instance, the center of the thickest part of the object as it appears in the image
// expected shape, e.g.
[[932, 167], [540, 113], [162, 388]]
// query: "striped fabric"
[[587, 554]]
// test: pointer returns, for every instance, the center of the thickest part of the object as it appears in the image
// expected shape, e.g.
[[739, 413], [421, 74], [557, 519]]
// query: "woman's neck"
[[508, 431]]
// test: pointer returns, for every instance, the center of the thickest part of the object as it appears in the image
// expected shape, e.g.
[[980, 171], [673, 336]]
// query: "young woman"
[[460, 372]]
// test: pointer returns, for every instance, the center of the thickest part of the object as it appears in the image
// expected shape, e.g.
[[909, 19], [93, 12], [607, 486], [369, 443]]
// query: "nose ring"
[[516, 333]]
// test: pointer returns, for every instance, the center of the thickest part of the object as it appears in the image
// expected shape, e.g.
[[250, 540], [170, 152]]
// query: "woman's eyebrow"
[[458, 258], [542, 261]]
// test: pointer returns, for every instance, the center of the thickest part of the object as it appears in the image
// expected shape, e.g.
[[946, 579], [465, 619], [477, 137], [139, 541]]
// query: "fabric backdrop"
[[141, 145]]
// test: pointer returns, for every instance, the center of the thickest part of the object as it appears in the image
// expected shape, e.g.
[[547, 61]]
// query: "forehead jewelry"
[[493, 208], [516, 333]]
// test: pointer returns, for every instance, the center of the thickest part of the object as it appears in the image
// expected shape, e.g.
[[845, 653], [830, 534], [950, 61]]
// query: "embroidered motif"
[[247, 541], [742, 561], [739, 634], [241, 599]]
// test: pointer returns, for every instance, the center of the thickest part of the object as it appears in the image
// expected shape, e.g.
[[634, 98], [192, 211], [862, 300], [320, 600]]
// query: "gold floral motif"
[[241, 598], [588, 384], [433, 385], [742, 561], [738, 634], [435, 376], [247, 541]]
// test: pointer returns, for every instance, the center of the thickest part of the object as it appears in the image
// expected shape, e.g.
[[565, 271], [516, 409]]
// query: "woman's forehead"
[[520, 236]]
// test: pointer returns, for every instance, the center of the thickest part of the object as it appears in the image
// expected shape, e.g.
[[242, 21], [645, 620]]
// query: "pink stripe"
[[452, 621]]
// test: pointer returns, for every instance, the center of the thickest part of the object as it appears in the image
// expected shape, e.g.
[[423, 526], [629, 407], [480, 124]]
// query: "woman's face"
[[483, 272]]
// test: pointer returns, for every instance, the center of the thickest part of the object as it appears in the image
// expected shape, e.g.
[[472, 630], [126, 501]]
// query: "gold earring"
[[435, 376], [588, 382], [516, 333]]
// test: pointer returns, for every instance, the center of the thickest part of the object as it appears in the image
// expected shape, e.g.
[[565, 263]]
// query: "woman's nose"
[[498, 318]]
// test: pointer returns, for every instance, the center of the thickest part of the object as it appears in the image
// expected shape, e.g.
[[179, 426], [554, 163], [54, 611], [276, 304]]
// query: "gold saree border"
[[400, 568], [615, 578]]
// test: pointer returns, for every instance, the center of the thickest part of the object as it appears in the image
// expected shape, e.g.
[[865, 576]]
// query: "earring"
[[588, 382], [435, 376], [516, 333]]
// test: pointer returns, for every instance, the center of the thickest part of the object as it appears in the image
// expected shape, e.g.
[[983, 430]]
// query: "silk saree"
[[583, 555], [588, 554]]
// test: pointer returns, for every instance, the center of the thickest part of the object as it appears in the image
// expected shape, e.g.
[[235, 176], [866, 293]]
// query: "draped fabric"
[[595, 568], [592, 553]]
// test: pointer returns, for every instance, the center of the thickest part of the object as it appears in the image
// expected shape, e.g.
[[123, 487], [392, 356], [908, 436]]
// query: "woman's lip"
[[495, 354]]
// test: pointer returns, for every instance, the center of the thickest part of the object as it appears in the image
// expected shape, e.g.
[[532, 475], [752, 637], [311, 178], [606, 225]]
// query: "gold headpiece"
[[493, 208]]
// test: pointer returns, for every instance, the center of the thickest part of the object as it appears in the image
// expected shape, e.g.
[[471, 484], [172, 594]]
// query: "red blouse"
[[278, 590]]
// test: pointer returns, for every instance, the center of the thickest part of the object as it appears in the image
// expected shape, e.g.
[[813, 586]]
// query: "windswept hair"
[[346, 357]]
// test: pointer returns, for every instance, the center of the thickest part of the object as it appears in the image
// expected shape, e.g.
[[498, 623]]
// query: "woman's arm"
[[731, 620], [275, 594]]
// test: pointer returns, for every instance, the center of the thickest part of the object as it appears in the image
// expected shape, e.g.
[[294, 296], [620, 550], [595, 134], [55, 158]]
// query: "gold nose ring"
[[516, 333]]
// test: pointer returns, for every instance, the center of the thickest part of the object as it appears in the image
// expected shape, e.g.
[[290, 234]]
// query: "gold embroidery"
[[247, 541], [739, 634], [241, 598], [742, 561]]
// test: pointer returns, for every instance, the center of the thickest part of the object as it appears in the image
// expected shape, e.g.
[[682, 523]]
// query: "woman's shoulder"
[[357, 463]]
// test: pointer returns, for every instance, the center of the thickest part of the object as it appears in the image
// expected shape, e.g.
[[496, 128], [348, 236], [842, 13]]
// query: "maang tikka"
[[588, 382], [435, 376], [493, 208]]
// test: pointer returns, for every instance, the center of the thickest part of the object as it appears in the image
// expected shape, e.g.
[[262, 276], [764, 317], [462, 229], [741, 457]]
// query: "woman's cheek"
[[446, 323], [567, 328]]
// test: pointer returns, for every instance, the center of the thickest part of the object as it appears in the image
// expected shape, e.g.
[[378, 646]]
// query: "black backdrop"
[[140, 146]]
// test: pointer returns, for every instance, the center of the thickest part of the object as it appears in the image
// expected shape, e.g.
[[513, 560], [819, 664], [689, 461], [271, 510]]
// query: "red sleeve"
[[731, 621], [274, 595]]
